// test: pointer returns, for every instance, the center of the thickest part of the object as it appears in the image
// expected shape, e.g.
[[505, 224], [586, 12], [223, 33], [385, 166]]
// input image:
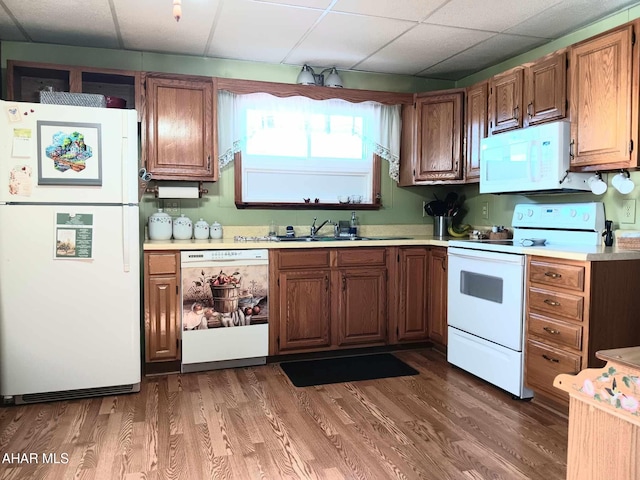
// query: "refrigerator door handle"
[[126, 235], [125, 177]]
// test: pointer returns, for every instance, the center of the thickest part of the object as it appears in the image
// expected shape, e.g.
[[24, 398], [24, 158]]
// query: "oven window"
[[481, 286]]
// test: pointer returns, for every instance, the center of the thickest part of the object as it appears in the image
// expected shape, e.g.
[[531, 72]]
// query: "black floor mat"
[[345, 369]]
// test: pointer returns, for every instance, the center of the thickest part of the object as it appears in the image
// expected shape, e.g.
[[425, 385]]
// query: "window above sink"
[[315, 150]]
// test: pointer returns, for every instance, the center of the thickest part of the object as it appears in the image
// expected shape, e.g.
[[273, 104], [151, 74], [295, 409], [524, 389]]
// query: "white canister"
[[182, 228], [215, 230], [160, 226], [201, 230]]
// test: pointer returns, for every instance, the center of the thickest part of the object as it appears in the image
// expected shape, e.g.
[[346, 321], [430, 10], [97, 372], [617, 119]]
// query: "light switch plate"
[[485, 210], [172, 207], [628, 211]]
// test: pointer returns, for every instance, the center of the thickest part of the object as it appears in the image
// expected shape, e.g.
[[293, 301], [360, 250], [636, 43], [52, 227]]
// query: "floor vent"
[[75, 394]]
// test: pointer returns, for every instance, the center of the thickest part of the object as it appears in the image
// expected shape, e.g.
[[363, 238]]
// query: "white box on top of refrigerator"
[[69, 252]]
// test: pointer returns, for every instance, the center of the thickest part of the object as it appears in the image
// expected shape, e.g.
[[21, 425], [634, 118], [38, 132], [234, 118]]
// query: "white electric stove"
[[570, 225], [486, 288]]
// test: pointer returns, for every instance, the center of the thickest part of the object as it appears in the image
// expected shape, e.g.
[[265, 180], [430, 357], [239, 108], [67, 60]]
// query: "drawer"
[[303, 258], [557, 274], [162, 263], [556, 303], [360, 257], [543, 363], [556, 331]]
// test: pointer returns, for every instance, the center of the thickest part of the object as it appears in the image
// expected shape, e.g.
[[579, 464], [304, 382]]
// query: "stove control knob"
[[529, 212], [573, 212], [585, 216], [519, 215]]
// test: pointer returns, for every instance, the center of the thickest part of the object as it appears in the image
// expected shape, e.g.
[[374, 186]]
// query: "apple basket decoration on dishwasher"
[[235, 306]]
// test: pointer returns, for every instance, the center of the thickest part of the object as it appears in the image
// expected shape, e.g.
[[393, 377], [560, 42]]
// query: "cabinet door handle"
[[551, 302], [529, 110], [571, 155], [552, 331], [344, 283], [209, 163], [552, 274], [516, 111], [326, 282], [550, 359]]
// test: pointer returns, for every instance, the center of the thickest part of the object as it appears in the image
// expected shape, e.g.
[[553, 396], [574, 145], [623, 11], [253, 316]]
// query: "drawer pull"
[[550, 359], [552, 274], [552, 331], [551, 302]]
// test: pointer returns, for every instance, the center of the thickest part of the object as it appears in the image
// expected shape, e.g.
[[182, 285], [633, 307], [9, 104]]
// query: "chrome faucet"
[[314, 230]]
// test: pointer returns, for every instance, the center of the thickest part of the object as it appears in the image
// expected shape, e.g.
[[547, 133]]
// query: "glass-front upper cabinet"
[[25, 81]]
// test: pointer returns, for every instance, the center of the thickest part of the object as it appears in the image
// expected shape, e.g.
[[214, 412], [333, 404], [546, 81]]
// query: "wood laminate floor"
[[252, 423]]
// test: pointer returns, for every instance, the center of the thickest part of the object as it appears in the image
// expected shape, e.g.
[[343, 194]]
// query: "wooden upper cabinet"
[[25, 81], [546, 89], [476, 126], [602, 106], [439, 136], [505, 101], [180, 128]]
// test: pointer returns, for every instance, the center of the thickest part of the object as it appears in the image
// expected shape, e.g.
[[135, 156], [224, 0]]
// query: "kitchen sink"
[[337, 239]]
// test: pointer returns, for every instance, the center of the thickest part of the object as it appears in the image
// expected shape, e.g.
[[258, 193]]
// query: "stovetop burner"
[[547, 225]]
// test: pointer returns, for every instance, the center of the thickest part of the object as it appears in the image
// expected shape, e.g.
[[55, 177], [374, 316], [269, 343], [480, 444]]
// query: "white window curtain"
[[381, 134]]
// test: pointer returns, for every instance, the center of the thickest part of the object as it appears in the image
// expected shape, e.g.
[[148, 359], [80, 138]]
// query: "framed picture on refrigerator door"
[[69, 153]]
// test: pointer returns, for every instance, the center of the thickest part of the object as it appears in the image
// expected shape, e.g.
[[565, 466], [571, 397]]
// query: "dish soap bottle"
[[353, 226]]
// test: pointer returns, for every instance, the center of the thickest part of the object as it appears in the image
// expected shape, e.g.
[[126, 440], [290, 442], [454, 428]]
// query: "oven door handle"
[[483, 259]]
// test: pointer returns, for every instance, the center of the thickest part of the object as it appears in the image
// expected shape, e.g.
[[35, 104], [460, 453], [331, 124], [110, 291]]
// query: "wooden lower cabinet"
[[438, 295], [575, 309], [327, 299], [362, 306], [413, 305], [161, 306], [303, 302]]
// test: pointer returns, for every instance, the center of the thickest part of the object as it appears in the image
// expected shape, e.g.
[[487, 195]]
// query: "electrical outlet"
[[485, 210], [424, 205], [628, 211], [172, 207]]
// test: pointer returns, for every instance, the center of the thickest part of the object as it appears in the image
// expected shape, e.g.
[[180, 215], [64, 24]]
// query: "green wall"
[[401, 205]]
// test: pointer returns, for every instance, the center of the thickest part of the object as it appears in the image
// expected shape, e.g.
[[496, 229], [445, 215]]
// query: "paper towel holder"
[[155, 191]]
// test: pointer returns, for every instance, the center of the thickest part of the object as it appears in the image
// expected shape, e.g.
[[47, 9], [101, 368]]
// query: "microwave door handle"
[[534, 161]]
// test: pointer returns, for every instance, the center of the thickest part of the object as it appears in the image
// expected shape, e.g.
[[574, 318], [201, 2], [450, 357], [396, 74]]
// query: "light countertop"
[[629, 356], [420, 235]]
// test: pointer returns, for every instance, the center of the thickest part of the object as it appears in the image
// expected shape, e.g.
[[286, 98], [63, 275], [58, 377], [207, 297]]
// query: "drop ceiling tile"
[[322, 4], [258, 31], [414, 10], [159, 32], [486, 54], [66, 22], [343, 40], [568, 16], [421, 47], [493, 15]]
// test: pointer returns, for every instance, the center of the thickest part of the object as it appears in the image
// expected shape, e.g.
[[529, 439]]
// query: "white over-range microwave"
[[530, 160]]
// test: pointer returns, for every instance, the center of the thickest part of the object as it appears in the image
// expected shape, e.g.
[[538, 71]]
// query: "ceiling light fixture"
[[308, 77], [177, 9]]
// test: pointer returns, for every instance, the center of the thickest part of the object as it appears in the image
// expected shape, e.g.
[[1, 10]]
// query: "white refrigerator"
[[69, 252]]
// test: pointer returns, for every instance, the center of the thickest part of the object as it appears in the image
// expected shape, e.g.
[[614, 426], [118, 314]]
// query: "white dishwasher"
[[225, 309]]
